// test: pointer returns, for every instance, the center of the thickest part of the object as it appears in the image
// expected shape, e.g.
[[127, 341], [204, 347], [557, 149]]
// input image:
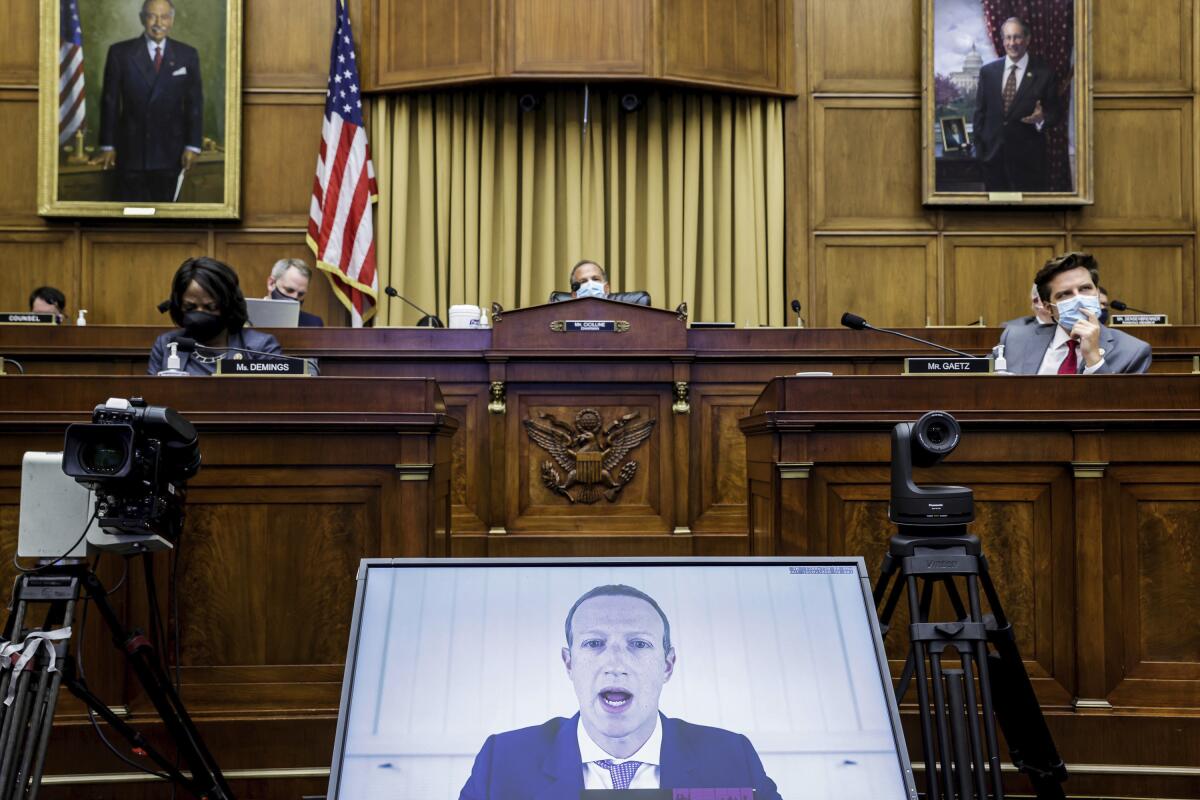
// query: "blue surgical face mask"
[[1069, 310], [590, 289]]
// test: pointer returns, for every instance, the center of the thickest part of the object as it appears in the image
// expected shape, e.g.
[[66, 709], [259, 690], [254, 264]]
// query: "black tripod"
[[958, 728], [26, 720]]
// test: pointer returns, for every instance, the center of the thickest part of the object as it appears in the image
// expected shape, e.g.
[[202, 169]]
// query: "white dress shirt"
[[648, 774], [1021, 66], [1056, 353]]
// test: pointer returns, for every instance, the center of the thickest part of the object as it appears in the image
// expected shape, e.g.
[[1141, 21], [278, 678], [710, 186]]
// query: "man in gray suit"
[[1077, 343]]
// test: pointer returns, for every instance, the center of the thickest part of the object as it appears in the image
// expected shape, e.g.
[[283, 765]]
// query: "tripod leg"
[[985, 692], [973, 721], [932, 792], [945, 743], [958, 733]]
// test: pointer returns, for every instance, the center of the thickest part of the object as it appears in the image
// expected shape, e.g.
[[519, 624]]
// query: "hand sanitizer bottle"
[[82, 318], [173, 364]]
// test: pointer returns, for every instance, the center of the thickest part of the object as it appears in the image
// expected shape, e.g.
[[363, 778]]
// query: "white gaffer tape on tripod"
[[28, 649]]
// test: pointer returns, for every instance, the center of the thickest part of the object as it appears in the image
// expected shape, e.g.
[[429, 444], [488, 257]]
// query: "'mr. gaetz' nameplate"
[[947, 366], [1138, 319], [293, 367], [25, 318], [589, 326]]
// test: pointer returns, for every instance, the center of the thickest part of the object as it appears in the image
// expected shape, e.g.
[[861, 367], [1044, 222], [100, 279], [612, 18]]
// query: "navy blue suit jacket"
[[543, 762], [149, 117], [1013, 153], [246, 339]]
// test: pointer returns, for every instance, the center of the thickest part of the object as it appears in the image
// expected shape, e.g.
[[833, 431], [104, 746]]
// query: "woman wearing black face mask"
[[208, 306]]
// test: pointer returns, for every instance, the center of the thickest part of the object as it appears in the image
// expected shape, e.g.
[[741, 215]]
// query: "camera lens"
[[103, 455], [937, 433]]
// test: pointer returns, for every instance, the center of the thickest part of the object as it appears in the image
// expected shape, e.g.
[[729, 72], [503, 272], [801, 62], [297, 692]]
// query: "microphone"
[[855, 322], [163, 306], [427, 321], [796, 311], [1120, 305], [186, 345]]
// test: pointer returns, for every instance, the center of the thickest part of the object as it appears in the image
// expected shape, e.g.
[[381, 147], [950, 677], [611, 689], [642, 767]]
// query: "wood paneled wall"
[[119, 271], [860, 238]]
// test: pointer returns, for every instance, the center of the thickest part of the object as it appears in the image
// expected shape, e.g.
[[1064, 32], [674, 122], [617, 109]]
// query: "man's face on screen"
[[617, 665]]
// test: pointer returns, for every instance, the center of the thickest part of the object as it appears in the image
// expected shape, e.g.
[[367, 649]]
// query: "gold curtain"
[[481, 201]]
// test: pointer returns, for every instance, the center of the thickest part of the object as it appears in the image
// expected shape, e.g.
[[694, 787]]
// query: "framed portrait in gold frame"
[[1018, 74], [139, 109]]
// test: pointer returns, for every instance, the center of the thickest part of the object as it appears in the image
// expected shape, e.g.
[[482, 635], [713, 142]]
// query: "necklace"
[[203, 359]]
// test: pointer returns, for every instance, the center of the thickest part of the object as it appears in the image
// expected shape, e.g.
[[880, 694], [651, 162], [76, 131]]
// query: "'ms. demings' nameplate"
[[947, 366], [25, 318], [292, 367]]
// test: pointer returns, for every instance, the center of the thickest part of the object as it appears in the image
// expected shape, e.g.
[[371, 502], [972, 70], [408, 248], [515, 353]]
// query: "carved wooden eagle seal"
[[590, 456]]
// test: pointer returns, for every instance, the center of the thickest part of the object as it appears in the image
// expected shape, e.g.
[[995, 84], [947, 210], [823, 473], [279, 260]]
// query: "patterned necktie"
[[622, 773], [1010, 88], [158, 58], [1070, 364]]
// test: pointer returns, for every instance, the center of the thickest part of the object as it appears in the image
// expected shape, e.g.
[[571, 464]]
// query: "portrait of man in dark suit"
[[1016, 106], [151, 115], [618, 656]]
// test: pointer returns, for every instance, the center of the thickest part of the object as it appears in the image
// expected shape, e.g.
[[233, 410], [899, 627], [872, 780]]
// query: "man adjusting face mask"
[[1070, 310]]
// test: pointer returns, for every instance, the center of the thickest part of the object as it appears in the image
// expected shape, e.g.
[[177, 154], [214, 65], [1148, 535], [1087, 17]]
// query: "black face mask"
[[278, 295], [202, 326]]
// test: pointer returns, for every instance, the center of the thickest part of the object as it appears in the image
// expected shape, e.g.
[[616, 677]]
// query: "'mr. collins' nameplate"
[[291, 367], [947, 366], [589, 326]]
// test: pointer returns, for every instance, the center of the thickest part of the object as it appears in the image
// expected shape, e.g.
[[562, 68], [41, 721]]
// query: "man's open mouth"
[[615, 699]]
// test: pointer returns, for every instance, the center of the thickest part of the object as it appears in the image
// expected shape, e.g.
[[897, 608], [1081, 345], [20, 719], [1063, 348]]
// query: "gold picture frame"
[[73, 181], [963, 59]]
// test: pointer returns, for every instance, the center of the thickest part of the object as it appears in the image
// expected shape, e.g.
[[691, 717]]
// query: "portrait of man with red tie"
[[152, 109], [1016, 106]]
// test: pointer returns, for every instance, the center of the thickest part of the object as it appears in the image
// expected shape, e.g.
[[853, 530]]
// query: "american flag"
[[71, 103], [340, 230]]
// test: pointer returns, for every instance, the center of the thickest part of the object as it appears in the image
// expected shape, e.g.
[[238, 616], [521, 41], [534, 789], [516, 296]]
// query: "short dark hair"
[[48, 294], [621, 590], [580, 263], [1024, 25], [216, 278], [1061, 264]]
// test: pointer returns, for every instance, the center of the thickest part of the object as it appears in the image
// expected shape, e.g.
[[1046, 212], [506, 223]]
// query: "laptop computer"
[[273, 313], [763, 677]]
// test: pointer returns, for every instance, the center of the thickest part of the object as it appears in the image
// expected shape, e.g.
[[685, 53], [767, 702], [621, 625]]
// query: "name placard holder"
[[1126, 320], [589, 326], [26, 318], [291, 368], [948, 366]]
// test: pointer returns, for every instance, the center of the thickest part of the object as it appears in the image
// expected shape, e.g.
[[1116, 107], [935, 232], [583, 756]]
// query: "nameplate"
[[1005, 197], [1138, 319], [26, 318], [589, 326], [948, 366], [290, 368]]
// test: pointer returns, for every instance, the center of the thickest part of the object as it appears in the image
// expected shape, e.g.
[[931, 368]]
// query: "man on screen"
[[618, 657]]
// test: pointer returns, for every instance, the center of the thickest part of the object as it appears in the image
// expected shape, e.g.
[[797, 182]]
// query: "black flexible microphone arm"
[[855, 322], [1121, 305], [390, 291]]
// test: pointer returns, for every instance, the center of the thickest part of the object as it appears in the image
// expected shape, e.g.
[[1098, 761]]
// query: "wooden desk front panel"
[[1087, 499]]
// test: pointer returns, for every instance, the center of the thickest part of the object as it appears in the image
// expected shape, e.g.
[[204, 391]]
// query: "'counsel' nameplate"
[[290, 368], [589, 326], [25, 318], [948, 366], [1138, 319]]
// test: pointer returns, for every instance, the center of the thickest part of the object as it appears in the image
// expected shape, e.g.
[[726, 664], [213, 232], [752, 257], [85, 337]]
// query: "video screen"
[[746, 679]]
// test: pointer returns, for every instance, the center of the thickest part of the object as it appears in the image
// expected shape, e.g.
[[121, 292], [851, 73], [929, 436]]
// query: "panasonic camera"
[[922, 444], [138, 459]]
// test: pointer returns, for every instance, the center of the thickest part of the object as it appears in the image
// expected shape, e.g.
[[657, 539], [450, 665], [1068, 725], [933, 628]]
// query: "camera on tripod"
[[922, 444], [137, 458]]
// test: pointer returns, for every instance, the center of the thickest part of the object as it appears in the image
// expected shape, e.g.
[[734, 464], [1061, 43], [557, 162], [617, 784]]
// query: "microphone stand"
[[855, 322]]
